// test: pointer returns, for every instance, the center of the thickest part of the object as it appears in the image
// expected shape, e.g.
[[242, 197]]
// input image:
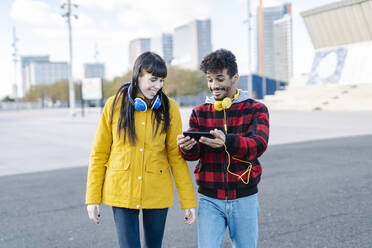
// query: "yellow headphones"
[[223, 105], [226, 102]]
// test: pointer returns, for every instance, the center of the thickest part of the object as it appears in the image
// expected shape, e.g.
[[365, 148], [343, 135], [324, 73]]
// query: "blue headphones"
[[140, 104]]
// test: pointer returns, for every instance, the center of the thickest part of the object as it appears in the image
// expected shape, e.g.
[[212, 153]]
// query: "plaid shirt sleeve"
[[253, 146], [194, 153]]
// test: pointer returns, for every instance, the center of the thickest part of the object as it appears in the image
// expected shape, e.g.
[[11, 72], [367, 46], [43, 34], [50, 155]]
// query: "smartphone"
[[196, 135]]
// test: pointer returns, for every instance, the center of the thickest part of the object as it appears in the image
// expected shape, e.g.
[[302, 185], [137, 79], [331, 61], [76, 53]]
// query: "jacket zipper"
[[225, 167], [226, 180]]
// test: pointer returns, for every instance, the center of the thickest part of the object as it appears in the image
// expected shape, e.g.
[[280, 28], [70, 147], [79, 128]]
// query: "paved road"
[[312, 194]]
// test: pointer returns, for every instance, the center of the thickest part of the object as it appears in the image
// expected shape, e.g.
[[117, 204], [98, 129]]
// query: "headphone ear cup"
[[156, 103], [218, 106], [140, 104], [226, 103]]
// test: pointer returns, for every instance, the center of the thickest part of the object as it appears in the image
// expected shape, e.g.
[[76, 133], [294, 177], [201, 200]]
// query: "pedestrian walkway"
[[41, 140]]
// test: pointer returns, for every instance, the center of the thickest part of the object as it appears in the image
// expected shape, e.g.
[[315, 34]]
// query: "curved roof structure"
[[340, 23]]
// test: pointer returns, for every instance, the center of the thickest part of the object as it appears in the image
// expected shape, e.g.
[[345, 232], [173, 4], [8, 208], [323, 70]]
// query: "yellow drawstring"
[[248, 170]]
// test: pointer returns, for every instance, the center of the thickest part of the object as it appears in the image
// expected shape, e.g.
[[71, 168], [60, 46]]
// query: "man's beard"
[[225, 89]]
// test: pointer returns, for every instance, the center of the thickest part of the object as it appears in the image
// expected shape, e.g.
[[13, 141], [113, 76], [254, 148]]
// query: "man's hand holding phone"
[[215, 139], [216, 142], [185, 142]]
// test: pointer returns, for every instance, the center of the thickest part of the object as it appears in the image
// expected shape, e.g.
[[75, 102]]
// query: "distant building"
[[137, 47], [92, 70], [37, 73], [25, 61], [271, 15], [191, 42], [283, 48], [163, 45]]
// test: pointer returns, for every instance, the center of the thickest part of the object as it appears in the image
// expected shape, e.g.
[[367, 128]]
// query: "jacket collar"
[[243, 95]]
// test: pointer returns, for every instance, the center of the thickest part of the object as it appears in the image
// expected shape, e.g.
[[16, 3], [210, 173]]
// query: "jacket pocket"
[[119, 162], [157, 169]]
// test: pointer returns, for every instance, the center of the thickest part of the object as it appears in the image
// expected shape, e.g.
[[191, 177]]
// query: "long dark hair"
[[154, 64]]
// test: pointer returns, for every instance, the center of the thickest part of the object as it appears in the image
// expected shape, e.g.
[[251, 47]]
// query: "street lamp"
[[68, 15]]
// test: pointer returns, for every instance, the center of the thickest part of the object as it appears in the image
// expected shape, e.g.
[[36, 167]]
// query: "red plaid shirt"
[[246, 139]]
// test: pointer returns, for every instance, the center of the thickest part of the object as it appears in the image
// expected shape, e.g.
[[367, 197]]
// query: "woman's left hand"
[[190, 216]]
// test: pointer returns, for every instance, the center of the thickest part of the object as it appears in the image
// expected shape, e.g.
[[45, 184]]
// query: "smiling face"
[[149, 85], [221, 84]]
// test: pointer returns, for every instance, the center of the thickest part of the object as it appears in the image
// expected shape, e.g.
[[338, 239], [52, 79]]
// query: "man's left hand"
[[217, 142]]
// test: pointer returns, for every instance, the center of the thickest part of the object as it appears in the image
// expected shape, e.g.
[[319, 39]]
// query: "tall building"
[[283, 49], [37, 73], [25, 61], [191, 42], [271, 14], [137, 47], [163, 45], [92, 70]]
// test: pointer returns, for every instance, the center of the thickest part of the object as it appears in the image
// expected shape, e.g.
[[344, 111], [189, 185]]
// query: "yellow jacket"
[[138, 176]]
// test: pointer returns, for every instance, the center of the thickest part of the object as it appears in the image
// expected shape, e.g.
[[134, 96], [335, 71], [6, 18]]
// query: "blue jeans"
[[127, 226], [240, 215]]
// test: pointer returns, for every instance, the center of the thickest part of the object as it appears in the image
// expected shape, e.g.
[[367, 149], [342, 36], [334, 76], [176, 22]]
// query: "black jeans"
[[127, 226]]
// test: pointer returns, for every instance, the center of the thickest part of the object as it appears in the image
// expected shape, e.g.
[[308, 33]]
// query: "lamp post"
[[15, 60], [71, 87]]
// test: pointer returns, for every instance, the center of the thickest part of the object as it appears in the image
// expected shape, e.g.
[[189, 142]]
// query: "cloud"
[[35, 13], [138, 18], [51, 33], [41, 14], [83, 21], [163, 14], [107, 5]]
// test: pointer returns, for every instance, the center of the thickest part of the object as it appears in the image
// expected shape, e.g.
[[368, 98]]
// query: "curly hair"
[[219, 60]]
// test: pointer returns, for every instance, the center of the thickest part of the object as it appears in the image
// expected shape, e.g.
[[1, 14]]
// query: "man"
[[228, 170]]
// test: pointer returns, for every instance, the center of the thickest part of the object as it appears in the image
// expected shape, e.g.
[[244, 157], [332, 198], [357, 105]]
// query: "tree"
[[8, 99], [35, 93], [58, 91], [111, 87], [180, 82]]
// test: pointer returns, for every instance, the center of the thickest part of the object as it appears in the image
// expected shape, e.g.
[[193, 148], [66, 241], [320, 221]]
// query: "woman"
[[134, 149]]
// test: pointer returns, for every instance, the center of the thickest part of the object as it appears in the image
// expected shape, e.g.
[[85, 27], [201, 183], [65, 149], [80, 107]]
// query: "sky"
[[109, 25]]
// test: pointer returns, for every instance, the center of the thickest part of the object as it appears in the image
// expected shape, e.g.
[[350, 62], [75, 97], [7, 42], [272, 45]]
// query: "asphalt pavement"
[[312, 194]]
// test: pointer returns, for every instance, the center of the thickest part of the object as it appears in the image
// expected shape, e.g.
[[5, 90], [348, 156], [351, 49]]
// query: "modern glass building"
[[25, 61], [137, 47], [163, 45], [37, 73], [274, 34], [191, 42], [283, 48]]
